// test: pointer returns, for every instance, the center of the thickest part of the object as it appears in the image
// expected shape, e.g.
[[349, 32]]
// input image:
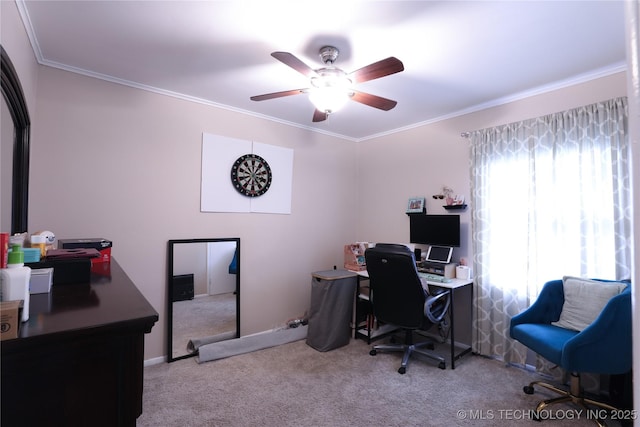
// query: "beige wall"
[[15, 41], [116, 162], [420, 161]]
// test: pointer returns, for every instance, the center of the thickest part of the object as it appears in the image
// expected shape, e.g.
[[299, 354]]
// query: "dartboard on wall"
[[219, 194], [251, 175]]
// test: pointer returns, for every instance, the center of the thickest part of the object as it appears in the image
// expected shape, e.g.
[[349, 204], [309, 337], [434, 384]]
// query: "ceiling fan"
[[330, 87]]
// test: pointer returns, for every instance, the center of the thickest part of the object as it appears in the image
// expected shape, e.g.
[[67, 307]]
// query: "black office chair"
[[399, 299]]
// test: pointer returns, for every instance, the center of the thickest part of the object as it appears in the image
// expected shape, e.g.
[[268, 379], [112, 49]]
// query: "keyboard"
[[433, 277]]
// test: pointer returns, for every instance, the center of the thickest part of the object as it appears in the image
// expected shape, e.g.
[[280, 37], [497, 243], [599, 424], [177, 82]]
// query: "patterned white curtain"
[[550, 197]]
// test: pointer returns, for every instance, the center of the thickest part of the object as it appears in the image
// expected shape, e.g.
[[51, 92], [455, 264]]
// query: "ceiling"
[[459, 56]]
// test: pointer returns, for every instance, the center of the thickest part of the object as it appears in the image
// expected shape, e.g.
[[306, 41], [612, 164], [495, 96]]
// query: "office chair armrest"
[[609, 335], [546, 308], [431, 300]]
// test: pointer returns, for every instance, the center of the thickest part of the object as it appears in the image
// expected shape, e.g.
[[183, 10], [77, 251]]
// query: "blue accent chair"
[[233, 266], [604, 347]]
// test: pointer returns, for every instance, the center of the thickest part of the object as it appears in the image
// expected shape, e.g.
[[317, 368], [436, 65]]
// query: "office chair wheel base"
[[402, 370], [442, 365], [527, 389], [373, 352]]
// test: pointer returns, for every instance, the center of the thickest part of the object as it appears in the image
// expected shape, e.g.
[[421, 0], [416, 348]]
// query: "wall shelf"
[[454, 207], [424, 212]]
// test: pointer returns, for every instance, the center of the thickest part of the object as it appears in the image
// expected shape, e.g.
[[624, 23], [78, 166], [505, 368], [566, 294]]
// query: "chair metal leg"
[[394, 348], [408, 348], [419, 348], [548, 402], [574, 395], [405, 359]]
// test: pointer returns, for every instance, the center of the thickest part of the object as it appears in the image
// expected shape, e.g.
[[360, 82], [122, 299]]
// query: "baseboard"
[[155, 361]]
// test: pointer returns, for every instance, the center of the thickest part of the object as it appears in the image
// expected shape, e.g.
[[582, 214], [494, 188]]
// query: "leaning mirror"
[[203, 284]]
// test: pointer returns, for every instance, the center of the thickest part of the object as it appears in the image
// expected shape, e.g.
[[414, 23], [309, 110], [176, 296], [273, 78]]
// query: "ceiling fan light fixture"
[[330, 87], [328, 99], [331, 90]]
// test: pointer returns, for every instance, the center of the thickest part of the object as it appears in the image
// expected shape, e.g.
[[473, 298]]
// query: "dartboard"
[[251, 175]]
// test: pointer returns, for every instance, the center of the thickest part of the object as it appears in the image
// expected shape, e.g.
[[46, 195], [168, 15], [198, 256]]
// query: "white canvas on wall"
[[278, 198], [217, 192]]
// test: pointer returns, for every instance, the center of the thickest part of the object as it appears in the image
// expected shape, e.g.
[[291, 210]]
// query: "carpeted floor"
[[295, 385]]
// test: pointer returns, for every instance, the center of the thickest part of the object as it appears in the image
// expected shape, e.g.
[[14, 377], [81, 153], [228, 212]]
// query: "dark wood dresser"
[[79, 359]]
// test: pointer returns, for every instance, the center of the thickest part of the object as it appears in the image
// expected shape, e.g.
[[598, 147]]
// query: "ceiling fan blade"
[[277, 94], [295, 63], [373, 101], [319, 116], [376, 70]]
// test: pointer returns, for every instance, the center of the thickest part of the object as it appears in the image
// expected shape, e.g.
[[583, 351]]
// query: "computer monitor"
[[438, 230]]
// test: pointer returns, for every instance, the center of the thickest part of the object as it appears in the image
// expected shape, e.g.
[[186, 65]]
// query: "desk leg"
[[467, 350], [452, 329]]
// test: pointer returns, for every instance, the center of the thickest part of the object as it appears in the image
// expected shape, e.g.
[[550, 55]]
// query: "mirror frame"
[[170, 251], [14, 96]]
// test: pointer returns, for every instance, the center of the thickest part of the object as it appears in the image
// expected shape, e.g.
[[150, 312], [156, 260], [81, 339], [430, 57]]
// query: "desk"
[[455, 286], [79, 359]]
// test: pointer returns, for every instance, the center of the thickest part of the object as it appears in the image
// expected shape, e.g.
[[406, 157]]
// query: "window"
[[551, 197]]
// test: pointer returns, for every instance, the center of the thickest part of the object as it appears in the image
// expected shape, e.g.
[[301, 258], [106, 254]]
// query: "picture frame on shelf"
[[416, 205]]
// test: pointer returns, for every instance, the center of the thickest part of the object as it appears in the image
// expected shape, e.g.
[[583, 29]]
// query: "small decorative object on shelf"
[[456, 202], [452, 202], [416, 205], [446, 193]]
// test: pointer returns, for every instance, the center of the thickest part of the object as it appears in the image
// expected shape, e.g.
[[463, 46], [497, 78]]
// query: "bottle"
[[15, 280], [39, 242]]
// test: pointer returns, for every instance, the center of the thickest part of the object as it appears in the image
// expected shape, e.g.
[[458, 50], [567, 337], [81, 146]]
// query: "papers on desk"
[[433, 277]]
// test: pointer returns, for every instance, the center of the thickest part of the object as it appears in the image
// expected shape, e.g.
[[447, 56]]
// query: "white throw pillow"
[[584, 300]]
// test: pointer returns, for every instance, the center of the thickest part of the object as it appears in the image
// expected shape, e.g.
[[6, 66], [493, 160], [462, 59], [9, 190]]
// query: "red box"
[[4, 249], [102, 245]]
